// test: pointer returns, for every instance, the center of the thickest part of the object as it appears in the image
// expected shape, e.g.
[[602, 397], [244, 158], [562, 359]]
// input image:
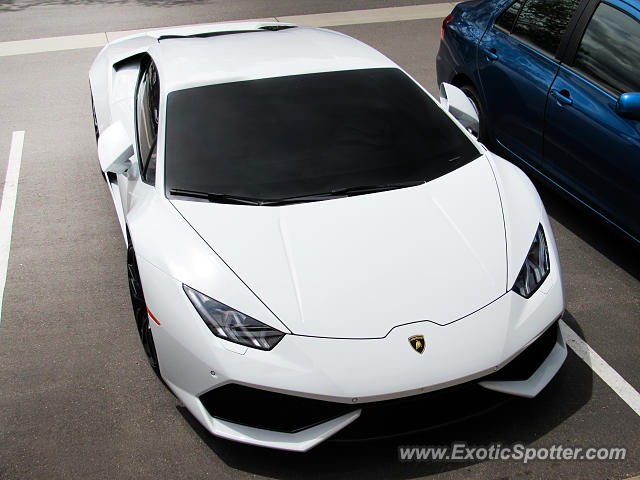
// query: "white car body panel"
[[156, 227], [308, 50], [520, 202], [361, 267], [533, 385], [108, 83], [323, 368], [347, 280], [295, 442], [342, 370]]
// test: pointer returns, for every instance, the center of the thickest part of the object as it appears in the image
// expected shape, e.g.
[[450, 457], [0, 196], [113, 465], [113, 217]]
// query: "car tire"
[[472, 95], [140, 310]]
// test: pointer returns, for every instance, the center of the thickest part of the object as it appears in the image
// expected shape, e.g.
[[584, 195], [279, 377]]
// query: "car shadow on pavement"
[[595, 231], [517, 420]]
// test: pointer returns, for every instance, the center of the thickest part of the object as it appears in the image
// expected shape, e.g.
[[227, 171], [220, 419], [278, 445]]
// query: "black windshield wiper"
[[313, 197], [343, 192], [215, 197], [360, 190]]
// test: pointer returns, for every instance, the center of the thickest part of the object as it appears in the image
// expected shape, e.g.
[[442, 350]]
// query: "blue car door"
[[589, 148], [516, 65]]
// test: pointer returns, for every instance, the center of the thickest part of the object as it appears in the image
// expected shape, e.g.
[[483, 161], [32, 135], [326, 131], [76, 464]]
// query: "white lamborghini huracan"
[[310, 233]]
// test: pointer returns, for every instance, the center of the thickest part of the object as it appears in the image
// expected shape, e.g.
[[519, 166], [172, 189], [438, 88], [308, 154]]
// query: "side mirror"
[[456, 102], [628, 105], [115, 149]]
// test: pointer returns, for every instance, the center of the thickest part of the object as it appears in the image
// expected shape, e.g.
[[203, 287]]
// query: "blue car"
[[555, 84]]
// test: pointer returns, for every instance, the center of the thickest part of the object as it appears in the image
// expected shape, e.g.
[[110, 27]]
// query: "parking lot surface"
[[77, 397]]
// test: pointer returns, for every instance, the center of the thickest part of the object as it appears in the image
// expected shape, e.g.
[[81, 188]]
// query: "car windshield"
[[308, 135]]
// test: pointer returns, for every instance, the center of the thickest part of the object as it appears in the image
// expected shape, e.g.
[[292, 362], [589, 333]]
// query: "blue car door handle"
[[563, 97], [491, 54]]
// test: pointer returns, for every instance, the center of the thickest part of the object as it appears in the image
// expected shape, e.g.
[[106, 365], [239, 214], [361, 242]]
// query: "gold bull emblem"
[[417, 343]]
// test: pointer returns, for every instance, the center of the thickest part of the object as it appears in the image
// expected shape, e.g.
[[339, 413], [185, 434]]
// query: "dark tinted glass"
[[147, 121], [308, 134], [505, 21], [543, 22], [610, 50]]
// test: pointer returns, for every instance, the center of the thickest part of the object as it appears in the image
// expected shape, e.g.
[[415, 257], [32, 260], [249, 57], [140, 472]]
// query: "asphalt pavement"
[[77, 397], [23, 19]]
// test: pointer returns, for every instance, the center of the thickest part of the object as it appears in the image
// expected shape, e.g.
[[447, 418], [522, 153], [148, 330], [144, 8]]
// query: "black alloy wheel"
[[140, 309]]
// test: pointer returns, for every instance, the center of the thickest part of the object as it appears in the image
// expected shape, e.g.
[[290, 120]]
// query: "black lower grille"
[[269, 410], [288, 413], [528, 361], [420, 413]]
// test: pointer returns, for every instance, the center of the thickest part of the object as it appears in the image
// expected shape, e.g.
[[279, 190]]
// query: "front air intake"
[[269, 410]]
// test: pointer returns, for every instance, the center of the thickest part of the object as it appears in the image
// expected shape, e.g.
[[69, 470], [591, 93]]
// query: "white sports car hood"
[[357, 267]]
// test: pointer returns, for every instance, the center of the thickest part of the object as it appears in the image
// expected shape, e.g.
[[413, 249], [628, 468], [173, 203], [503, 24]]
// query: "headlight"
[[229, 324], [535, 268]]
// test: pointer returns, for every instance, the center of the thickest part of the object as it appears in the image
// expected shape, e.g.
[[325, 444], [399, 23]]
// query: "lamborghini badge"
[[417, 343]]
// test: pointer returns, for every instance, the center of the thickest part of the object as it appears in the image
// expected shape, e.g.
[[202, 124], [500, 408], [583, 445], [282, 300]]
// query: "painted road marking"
[[52, 44], [612, 378], [375, 15], [8, 207], [352, 17]]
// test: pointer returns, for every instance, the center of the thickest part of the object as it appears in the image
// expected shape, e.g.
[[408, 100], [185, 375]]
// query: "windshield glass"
[[307, 135]]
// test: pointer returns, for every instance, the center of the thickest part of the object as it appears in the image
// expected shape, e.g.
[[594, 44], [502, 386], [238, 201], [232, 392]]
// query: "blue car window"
[[542, 23], [610, 50], [505, 21]]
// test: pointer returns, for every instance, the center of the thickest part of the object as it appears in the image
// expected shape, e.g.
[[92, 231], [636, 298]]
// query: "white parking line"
[[612, 378], [352, 17], [8, 206]]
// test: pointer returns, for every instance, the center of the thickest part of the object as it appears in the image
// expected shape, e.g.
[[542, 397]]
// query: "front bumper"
[[296, 423], [352, 373]]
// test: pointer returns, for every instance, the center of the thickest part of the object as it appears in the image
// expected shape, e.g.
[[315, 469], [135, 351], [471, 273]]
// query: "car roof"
[[190, 61]]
